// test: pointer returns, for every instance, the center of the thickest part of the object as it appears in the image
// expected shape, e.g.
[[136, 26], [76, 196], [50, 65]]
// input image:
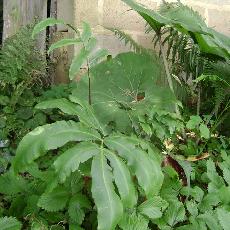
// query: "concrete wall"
[[114, 13]]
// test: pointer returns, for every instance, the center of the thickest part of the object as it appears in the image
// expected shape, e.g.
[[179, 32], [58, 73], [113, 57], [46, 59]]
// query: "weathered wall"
[[114, 13]]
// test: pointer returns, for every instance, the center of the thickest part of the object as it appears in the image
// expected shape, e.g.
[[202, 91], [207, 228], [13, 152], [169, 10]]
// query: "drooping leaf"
[[62, 43], [69, 161], [55, 200], [108, 203], [9, 223], [48, 137], [123, 180], [63, 104], [44, 23], [153, 208], [146, 171], [98, 56]]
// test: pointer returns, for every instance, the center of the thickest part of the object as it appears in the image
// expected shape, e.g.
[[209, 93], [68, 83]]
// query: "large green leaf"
[[123, 180], [69, 161], [63, 104], [108, 203], [9, 223], [116, 84], [44, 23], [47, 137], [147, 171]]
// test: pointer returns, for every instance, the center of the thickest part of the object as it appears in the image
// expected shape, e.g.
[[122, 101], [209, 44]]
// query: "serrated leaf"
[[47, 137], [86, 34], [63, 104], [108, 203], [175, 213], [75, 209], [204, 131], [44, 23], [62, 43], [133, 222], [55, 200], [143, 166], [69, 161], [210, 219], [10, 223], [123, 180], [153, 208], [224, 218], [11, 184]]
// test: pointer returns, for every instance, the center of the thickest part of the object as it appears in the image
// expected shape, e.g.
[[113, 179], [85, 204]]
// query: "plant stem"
[[168, 75], [89, 88]]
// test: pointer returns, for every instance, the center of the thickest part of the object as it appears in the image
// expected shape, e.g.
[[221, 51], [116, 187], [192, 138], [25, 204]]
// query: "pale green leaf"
[[224, 218], [86, 34], [69, 161], [98, 56], [44, 23], [63, 104], [204, 131], [108, 203], [153, 208], [123, 180], [63, 42], [10, 223], [142, 165], [55, 200], [77, 62], [47, 137]]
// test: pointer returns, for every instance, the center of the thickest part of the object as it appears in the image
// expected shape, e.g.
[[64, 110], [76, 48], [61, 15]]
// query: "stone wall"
[[114, 13]]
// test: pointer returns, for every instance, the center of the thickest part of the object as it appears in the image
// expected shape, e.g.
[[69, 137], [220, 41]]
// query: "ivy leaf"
[[224, 218], [47, 137], [146, 171], [153, 208], [204, 131], [63, 42], [54, 201], [123, 180], [69, 161], [109, 206], [9, 223]]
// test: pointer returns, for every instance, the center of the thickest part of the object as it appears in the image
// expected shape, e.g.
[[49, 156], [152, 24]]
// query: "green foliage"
[[9, 223]]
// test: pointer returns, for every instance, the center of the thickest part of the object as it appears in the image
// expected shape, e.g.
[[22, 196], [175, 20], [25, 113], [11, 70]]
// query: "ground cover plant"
[[127, 154]]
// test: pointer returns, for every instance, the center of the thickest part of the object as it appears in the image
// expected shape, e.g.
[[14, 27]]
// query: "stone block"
[[118, 14], [220, 20], [86, 10]]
